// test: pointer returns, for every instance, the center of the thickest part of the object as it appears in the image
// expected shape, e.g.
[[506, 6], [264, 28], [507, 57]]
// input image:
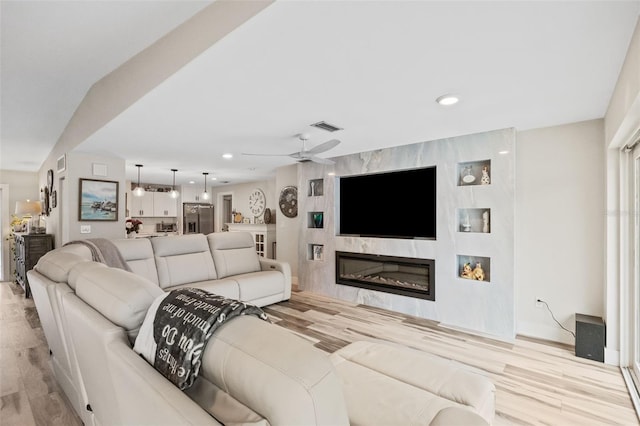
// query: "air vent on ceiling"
[[326, 126]]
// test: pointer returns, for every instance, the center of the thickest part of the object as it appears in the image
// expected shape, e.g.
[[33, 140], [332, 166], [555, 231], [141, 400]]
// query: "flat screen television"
[[397, 204]]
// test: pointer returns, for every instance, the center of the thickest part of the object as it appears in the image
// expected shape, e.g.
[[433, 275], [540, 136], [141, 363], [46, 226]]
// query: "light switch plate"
[[85, 229]]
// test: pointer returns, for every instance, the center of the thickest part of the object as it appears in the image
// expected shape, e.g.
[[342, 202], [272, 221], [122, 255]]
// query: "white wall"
[[560, 210], [80, 165], [287, 228], [240, 200]]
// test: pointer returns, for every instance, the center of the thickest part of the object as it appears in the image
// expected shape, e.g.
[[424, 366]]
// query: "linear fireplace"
[[406, 276]]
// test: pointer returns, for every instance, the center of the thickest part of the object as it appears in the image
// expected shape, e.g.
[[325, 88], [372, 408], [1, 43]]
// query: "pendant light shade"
[[139, 191], [205, 194], [173, 193]]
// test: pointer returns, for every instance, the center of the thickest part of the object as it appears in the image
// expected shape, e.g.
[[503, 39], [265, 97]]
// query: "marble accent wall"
[[479, 306]]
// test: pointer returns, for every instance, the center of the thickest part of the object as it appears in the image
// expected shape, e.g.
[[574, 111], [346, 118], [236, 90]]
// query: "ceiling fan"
[[308, 155]]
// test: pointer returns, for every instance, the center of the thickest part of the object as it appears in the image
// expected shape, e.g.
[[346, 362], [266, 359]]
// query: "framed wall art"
[[98, 200]]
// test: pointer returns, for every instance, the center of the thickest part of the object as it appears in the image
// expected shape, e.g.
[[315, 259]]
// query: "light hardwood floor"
[[537, 383]]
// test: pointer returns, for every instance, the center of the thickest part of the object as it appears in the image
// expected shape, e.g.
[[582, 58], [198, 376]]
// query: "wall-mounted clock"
[[257, 202], [288, 201]]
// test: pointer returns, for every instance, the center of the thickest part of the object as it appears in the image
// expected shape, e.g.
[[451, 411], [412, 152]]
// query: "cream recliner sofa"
[[168, 262], [253, 372]]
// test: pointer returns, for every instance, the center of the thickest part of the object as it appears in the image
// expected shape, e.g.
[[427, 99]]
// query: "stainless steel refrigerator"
[[197, 218]]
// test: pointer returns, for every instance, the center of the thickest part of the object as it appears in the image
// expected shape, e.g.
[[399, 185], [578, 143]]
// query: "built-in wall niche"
[[474, 173], [474, 220], [316, 187], [315, 252], [315, 220], [475, 268]]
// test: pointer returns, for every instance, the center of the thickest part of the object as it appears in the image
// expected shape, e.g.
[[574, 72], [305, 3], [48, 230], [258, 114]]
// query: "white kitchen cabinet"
[[164, 205], [154, 204], [142, 206], [193, 194]]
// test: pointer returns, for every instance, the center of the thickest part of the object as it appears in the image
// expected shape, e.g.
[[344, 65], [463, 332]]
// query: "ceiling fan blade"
[[326, 146], [266, 155], [322, 160]]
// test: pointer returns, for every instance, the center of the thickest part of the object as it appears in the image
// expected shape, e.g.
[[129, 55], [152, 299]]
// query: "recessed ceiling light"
[[214, 178], [447, 100], [227, 156], [331, 173], [503, 152], [192, 182]]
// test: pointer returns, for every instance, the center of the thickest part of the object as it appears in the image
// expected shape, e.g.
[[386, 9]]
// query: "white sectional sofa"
[[253, 372]]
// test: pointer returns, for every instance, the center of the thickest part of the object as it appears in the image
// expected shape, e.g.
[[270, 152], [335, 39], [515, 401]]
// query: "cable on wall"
[[554, 318]]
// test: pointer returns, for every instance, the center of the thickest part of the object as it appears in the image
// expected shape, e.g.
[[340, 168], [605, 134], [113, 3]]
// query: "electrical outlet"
[[85, 229], [538, 303]]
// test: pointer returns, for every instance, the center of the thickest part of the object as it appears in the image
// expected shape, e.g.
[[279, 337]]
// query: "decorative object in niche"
[[267, 216], [288, 201], [474, 173], [485, 179], [316, 219], [474, 220], [316, 187], [475, 268], [485, 221], [317, 252]]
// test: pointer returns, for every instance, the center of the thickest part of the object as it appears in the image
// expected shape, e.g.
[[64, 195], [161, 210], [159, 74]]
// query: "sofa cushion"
[[138, 253], [56, 265], [120, 296], [233, 253], [380, 375], [296, 386], [183, 259], [259, 284], [79, 269]]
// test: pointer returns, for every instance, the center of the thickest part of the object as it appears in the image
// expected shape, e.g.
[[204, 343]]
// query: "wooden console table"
[[29, 249]]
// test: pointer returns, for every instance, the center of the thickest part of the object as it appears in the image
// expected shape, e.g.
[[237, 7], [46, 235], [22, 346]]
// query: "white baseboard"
[[545, 332], [611, 356]]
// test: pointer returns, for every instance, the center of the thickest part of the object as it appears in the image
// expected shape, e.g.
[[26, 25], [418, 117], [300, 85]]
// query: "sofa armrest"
[[146, 397], [276, 265]]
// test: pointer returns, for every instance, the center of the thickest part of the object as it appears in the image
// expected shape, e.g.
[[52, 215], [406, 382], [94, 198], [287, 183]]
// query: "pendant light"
[[205, 194], [139, 191], [173, 193]]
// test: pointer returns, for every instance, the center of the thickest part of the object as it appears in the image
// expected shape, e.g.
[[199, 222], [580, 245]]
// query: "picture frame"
[[98, 200]]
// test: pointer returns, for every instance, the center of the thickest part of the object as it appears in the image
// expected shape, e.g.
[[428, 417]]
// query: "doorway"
[[225, 201]]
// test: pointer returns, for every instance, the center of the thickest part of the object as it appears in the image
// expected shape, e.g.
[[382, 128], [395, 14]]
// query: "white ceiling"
[[372, 67]]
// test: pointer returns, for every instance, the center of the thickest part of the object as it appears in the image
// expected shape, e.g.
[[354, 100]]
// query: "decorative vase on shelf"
[[132, 234], [466, 225], [485, 221], [485, 179], [317, 220]]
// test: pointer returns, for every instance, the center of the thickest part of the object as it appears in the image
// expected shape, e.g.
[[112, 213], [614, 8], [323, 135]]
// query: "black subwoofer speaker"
[[590, 337]]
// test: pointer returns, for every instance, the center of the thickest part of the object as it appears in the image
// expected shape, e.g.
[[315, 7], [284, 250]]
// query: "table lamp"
[[29, 209]]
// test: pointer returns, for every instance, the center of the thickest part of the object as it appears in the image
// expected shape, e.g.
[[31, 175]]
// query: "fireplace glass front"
[[405, 276]]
